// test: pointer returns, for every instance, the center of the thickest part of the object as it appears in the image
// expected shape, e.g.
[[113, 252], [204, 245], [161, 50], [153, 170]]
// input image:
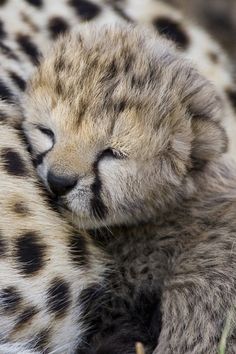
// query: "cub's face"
[[118, 123]]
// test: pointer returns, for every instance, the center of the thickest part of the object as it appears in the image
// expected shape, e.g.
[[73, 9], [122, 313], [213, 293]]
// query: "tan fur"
[[152, 107], [139, 348], [168, 131], [155, 149]]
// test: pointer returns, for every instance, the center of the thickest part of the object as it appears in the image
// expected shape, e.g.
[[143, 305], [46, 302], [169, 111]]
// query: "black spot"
[[59, 64], [137, 81], [38, 159], [86, 10], [111, 71], [10, 298], [83, 106], [5, 93], [78, 249], [23, 138], [36, 3], [59, 297], [25, 317], [56, 26], [2, 2], [29, 252], [231, 94], [20, 83], [41, 340], [129, 62], [13, 163], [7, 51], [214, 57], [2, 31], [59, 86], [20, 208], [172, 30], [29, 48], [51, 201], [120, 106], [198, 164]]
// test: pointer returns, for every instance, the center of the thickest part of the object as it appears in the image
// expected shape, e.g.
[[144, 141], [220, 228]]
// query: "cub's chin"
[[81, 219], [85, 219]]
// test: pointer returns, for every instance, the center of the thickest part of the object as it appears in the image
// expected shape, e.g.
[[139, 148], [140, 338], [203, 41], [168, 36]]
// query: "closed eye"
[[113, 153], [46, 131]]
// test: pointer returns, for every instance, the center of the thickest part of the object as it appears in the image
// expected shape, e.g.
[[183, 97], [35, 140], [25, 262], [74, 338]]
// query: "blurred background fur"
[[218, 17]]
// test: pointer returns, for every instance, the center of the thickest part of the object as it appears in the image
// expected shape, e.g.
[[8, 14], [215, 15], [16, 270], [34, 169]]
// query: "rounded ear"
[[204, 108], [210, 140]]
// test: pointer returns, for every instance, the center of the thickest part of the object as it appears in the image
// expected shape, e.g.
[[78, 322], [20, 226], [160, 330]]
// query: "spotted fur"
[[45, 263], [147, 152], [53, 296]]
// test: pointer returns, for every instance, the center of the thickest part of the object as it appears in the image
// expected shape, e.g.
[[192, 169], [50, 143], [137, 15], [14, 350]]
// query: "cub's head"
[[118, 123]]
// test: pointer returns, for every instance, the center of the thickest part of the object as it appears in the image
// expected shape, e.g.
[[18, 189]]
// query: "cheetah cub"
[[118, 122], [126, 134]]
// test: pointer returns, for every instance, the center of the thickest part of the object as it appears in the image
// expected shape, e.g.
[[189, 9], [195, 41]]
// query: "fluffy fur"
[[109, 119], [150, 139], [52, 277], [185, 262]]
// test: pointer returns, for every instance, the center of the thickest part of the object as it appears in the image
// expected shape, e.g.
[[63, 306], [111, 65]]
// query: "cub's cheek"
[[117, 177]]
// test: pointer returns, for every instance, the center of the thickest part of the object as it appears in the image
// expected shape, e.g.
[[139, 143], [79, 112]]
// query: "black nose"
[[61, 185]]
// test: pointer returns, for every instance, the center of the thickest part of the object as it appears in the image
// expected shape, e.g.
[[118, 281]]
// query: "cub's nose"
[[60, 185]]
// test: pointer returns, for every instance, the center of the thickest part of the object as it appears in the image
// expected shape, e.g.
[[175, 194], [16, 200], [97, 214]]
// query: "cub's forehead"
[[101, 73], [98, 61], [108, 74]]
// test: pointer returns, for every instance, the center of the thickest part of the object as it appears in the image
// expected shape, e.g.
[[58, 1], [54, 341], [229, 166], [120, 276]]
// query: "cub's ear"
[[205, 110], [210, 140]]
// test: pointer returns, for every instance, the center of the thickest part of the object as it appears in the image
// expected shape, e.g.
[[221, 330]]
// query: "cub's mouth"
[[72, 208]]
